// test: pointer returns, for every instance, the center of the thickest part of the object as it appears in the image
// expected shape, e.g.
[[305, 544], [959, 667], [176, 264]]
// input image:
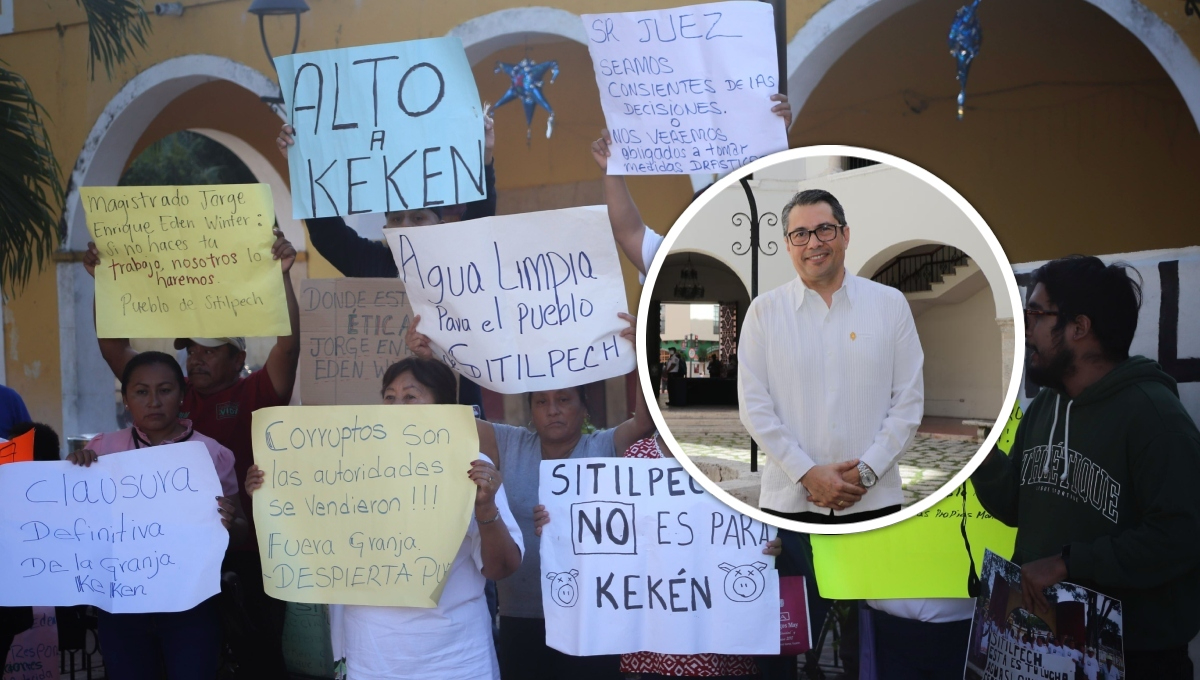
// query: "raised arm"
[[285, 355], [116, 351], [627, 226], [487, 206], [353, 255], [641, 425]]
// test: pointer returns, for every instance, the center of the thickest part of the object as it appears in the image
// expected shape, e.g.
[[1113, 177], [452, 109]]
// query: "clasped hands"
[[836, 485]]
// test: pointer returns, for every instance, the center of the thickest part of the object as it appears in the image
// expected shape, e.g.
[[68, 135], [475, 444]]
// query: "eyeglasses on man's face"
[[1036, 314], [824, 233]]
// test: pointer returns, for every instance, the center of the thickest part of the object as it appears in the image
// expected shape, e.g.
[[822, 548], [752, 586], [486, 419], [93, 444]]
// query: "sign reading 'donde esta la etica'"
[[383, 127], [519, 303]]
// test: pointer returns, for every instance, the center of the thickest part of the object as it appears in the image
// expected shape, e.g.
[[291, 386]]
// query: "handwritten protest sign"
[[923, 556], [383, 127], [687, 90], [637, 556], [185, 261], [351, 330], [33, 654], [519, 303], [1079, 635], [362, 504], [17, 449], [136, 532]]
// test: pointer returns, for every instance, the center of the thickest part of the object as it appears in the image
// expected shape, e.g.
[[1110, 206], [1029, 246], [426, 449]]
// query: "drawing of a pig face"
[[744, 583], [564, 589]]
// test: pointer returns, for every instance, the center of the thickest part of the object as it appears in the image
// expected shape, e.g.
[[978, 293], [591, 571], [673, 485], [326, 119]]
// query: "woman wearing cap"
[[188, 642], [558, 418], [453, 640]]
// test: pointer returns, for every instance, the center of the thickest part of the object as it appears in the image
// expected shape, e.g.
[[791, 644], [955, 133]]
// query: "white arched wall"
[[841, 23], [87, 382], [493, 32]]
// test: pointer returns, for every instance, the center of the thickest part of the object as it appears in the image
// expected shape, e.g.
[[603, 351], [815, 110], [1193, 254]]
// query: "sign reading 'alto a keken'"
[[383, 127], [519, 303]]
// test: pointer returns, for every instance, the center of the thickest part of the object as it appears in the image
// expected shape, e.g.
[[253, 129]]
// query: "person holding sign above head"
[[1100, 484], [452, 641], [188, 642], [359, 257], [557, 423], [220, 402], [638, 241], [651, 665]]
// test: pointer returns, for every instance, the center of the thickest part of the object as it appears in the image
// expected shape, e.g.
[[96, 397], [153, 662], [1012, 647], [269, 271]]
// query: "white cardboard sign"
[[519, 303], [136, 532], [687, 90], [638, 557]]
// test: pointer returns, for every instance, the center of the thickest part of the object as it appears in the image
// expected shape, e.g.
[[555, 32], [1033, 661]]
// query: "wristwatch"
[[866, 475]]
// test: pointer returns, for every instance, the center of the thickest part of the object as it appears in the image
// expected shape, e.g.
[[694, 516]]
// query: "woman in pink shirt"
[[187, 644]]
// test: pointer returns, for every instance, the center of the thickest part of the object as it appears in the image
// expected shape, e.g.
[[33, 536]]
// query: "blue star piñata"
[[527, 77], [965, 39]]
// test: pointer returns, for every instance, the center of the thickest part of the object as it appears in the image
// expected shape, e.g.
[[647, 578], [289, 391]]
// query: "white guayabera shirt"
[[825, 384]]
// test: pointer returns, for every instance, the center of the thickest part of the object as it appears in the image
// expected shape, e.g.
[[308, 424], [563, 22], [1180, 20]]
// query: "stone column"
[[1008, 354]]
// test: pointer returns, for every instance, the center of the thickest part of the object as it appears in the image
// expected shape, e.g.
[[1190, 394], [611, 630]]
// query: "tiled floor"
[[716, 432]]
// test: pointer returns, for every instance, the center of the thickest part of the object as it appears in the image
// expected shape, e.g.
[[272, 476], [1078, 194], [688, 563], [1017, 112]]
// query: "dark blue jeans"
[[916, 650], [187, 644]]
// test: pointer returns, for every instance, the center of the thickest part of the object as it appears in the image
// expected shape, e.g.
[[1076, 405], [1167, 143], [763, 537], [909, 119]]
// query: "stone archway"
[[827, 35]]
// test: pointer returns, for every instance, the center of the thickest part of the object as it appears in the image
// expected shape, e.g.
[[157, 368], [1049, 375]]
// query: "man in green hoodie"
[[1101, 483]]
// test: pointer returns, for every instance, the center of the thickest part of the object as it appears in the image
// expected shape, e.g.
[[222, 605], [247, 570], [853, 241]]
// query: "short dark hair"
[[1108, 295], [581, 390], [46, 444], [812, 197], [150, 359], [437, 377]]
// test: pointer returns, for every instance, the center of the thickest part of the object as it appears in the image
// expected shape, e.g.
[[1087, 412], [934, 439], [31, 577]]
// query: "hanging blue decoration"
[[527, 77], [965, 39]]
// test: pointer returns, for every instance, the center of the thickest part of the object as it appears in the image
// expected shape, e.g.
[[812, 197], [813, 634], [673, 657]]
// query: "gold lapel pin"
[[852, 335]]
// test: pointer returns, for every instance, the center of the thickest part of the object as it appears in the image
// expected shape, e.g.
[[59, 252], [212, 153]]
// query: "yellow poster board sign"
[[923, 556], [362, 504], [189, 261]]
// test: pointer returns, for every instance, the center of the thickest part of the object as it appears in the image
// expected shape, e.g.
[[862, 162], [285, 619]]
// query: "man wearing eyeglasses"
[[1101, 483], [830, 383]]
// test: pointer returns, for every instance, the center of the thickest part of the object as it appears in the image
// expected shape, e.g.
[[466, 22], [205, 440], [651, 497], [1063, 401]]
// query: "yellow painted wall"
[[1075, 139], [859, 102]]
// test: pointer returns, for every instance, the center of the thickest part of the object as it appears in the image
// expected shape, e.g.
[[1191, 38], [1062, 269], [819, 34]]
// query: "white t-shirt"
[[651, 240], [1091, 667], [929, 610], [452, 640]]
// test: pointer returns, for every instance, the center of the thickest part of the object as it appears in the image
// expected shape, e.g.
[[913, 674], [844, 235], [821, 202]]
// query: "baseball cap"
[[239, 343]]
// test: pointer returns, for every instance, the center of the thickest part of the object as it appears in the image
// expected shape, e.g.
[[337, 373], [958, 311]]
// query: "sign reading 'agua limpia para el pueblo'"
[[362, 504], [519, 303], [638, 557]]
